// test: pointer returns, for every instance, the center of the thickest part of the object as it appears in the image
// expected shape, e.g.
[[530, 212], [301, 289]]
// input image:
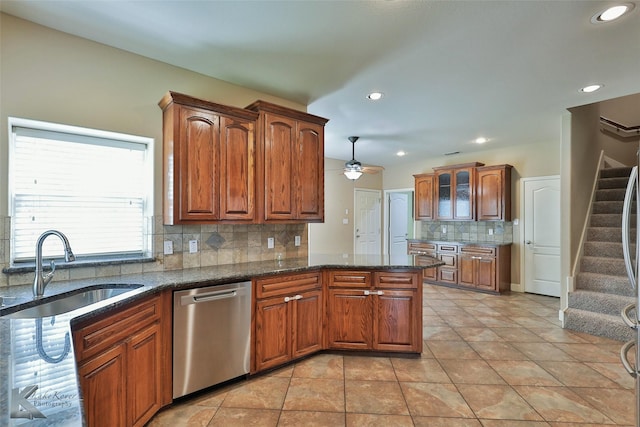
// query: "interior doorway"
[[399, 222], [367, 222], [541, 235]]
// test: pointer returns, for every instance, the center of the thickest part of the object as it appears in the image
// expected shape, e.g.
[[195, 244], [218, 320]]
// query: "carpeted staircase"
[[602, 286]]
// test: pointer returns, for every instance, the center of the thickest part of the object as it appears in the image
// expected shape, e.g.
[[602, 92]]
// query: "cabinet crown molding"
[[268, 107], [182, 99]]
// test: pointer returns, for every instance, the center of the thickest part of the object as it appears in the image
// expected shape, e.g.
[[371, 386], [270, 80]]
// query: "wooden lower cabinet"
[[350, 319], [287, 324], [103, 394], [385, 316], [482, 267], [124, 364]]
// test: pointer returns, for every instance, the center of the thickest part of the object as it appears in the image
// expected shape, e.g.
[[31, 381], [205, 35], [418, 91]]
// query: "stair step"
[[602, 325], [605, 249], [618, 285], [607, 220], [599, 302], [615, 182], [610, 194], [615, 172], [603, 265], [606, 207], [604, 234]]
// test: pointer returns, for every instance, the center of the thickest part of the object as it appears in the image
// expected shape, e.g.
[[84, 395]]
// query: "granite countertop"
[[38, 375], [465, 242]]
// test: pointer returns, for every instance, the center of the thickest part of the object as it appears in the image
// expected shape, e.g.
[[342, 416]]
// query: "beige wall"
[[51, 76], [333, 236]]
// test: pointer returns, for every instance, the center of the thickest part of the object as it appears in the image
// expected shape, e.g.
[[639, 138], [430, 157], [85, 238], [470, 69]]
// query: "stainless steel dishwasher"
[[211, 336]]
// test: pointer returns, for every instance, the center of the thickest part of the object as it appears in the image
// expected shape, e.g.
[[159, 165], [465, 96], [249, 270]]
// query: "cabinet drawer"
[[447, 248], [447, 275], [350, 279], [106, 332], [478, 250], [284, 285], [450, 260], [419, 248], [396, 280]]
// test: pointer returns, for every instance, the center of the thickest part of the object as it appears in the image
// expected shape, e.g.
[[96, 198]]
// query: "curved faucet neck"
[[42, 280]]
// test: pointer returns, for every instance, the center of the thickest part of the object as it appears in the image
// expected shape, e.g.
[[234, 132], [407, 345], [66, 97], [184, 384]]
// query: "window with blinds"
[[96, 187]]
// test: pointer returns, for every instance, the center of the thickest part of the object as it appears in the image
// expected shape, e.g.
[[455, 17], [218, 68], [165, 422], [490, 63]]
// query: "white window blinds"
[[95, 189]]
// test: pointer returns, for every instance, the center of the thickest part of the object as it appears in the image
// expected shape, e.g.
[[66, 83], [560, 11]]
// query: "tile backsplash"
[[467, 231], [217, 244]]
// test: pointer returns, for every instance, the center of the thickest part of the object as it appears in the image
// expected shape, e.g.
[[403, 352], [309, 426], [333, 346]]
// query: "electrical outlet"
[[296, 240], [193, 246], [444, 229], [270, 243], [490, 232], [345, 221], [168, 247]]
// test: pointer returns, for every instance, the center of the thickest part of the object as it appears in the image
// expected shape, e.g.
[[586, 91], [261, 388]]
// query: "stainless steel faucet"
[[42, 280]]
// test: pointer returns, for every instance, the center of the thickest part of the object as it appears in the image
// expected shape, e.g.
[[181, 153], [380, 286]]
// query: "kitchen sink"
[[74, 301]]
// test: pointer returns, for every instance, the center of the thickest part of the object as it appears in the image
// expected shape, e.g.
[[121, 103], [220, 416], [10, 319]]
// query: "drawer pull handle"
[[287, 299], [476, 257], [367, 293]]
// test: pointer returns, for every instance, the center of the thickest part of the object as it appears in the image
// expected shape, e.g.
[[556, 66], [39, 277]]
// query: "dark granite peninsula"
[[38, 370]]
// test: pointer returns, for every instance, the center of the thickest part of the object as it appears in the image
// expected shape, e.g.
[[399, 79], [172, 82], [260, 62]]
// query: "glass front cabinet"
[[455, 192]]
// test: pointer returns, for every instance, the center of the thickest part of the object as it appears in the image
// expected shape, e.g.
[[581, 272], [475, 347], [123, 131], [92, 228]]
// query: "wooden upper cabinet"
[[494, 193], [455, 192], [423, 203], [291, 164], [209, 161]]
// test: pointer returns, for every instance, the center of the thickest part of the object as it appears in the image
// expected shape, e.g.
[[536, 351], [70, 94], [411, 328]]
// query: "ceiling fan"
[[353, 169]]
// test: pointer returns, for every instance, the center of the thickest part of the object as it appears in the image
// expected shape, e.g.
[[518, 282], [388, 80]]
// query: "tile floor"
[[488, 361]]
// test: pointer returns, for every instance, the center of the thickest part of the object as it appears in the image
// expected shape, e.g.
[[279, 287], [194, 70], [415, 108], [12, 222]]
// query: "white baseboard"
[[517, 287]]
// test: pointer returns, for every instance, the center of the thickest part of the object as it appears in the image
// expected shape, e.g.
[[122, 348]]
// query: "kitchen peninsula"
[[41, 379]]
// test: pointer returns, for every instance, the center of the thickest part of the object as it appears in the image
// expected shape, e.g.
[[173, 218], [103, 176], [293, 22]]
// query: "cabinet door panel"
[[349, 317], [237, 169], [395, 321], [424, 197], [486, 273], [144, 378], [444, 195], [273, 337], [101, 382], [307, 315], [463, 194], [279, 167], [467, 271], [199, 162], [310, 172]]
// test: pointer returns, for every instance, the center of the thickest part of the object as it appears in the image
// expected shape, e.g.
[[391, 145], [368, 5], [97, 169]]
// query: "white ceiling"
[[450, 70]]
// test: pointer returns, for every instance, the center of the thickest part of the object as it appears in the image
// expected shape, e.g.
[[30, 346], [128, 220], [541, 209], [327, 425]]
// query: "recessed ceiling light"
[[612, 13], [401, 153], [591, 88], [374, 96], [481, 140]]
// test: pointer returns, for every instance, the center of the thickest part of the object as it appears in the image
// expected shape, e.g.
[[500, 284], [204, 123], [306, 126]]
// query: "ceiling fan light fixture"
[[352, 174]]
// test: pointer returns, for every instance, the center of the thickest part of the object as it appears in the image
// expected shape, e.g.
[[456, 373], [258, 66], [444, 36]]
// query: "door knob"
[[528, 242]]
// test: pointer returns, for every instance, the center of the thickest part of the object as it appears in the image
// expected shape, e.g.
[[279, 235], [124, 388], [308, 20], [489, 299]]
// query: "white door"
[[541, 224], [398, 224], [367, 221]]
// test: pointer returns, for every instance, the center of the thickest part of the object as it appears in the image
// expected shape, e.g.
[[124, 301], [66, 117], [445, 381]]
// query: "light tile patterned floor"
[[492, 361]]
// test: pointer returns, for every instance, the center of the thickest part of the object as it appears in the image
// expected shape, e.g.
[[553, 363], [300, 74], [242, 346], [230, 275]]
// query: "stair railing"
[[620, 129], [629, 198]]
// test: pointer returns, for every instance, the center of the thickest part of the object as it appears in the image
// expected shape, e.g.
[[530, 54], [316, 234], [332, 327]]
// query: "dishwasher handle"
[[211, 296]]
